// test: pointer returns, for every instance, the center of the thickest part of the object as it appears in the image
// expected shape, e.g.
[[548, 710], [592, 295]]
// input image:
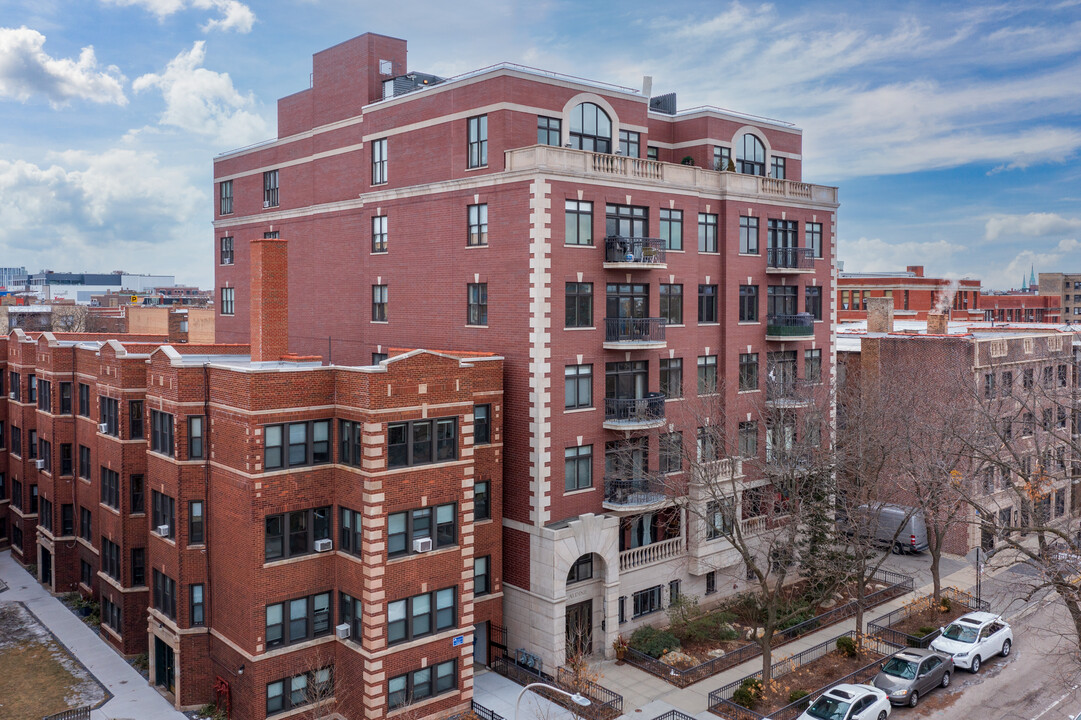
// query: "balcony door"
[[626, 380], [628, 301], [781, 300], [781, 372], [626, 221], [626, 460]]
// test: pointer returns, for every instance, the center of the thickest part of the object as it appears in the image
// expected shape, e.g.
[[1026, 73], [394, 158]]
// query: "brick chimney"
[[269, 299], [916, 270], [880, 314], [937, 324], [178, 326]]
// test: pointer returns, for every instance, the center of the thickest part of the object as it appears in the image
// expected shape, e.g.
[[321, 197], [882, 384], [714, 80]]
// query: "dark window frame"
[[477, 141], [579, 305]]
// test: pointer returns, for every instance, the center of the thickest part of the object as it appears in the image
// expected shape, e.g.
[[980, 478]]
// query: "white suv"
[[972, 638], [849, 702]]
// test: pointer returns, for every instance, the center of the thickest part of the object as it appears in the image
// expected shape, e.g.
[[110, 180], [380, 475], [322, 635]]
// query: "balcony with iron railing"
[[790, 260], [793, 393], [631, 253], [582, 163], [638, 494], [634, 333], [782, 328], [634, 413]]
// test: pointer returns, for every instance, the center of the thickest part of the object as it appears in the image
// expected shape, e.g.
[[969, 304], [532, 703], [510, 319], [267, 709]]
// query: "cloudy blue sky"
[[952, 128]]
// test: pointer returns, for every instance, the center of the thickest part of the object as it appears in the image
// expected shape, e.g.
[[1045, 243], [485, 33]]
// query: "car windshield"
[[900, 668], [960, 633], [829, 708]]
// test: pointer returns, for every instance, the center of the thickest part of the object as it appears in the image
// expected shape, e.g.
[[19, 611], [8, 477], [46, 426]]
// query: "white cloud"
[[205, 102], [1030, 225], [235, 15], [117, 209], [27, 70], [877, 255]]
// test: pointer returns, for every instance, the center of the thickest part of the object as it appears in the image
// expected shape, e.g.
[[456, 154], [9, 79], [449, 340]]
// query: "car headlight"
[[902, 692], [961, 655]]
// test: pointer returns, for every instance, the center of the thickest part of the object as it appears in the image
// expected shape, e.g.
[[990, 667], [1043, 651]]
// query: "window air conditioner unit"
[[342, 631], [163, 530], [324, 545], [39, 464], [422, 545], [103, 427], [266, 203]]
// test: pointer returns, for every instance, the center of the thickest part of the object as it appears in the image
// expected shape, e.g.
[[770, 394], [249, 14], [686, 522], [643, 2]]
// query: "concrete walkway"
[[646, 696], [132, 698]]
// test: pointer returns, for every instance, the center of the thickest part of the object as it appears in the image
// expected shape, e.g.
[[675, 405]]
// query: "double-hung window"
[[477, 219], [84, 398], [813, 234], [65, 398], [225, 198], [197, 605], [748, 235], [45, 396], [350, 442], [477, 304], [228, 301], [482, 424], [227, 250], [748, 303], [438, 524], [270, 188], [135, 419], [548, 131], [629, 143], [110, 558], [671, 228], [812, 365], [578, 386], [748, 439], [421, 684], [478, 141], [196, 447], [720, 515], [110, 412], [163, 514], [380, 297], [421, 615], [419, 442], [707, 232], [165, 594], [647, 601], [671, 459], [777, 168], [349, 531], [379, 161], [296, 444], [294, 533], [298, 620], [379, 234], [672, 303], [722, 156], [748, 371], [482, 575], [707, 374], [578, 222], [196, 523], [161, 433], [707, 303], [138, 497], [671, 371], [578, 467], [579, 310], [110, 488], [813, 301], [482, 501]]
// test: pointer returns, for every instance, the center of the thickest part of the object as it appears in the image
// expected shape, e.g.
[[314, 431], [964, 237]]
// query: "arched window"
[[582, 569], [591, 128], [751, 155]]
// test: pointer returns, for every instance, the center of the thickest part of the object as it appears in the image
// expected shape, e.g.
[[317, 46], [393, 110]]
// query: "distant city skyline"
[[952, 130]]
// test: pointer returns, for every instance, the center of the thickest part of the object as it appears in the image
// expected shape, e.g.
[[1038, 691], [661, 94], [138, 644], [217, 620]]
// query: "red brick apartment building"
[[914, 296], [1026, 378], [622, 256], [1021, 307], [277, 534]]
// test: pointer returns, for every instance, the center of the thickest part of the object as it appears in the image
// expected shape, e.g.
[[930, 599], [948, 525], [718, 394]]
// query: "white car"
[[972, 638], [849, 702]]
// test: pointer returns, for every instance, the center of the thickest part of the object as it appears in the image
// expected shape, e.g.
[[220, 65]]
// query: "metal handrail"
[[790, 258], [797, 320], [621, 249], [634, 329], [633, 491], [643, 409]]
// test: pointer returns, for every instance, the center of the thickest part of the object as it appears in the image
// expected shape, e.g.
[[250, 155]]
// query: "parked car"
[[972, 638], [911, 674], [849, 702], [903, 528]]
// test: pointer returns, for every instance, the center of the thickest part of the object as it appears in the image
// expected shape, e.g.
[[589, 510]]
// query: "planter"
[[896, 629]]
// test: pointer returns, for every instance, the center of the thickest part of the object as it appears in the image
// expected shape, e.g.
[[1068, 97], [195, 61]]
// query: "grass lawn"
[[38, 677]]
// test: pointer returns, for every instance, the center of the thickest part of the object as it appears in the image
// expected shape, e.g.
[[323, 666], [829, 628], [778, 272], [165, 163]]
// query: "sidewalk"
[[132, 698], [641, 690]]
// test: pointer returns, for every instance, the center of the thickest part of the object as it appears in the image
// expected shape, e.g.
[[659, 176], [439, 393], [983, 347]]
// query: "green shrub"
[[847, 646], [211, 712], [726, 632], [796, 695], [687, 160], [748, 693], [683, 610], [653, 642], [141, 662], [925, 630]]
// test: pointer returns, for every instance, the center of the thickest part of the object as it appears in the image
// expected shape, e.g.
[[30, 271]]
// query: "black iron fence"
[[880, 627], [82, 713], [642, 330], [790, 258], [632, 410], [478, 711], [895, 586], [674, 715], [721, 703], [634, 250], [604, 703], [633, 491], [797, 324]]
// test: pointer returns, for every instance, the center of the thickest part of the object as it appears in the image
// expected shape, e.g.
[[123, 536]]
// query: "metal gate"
[[497, 642]]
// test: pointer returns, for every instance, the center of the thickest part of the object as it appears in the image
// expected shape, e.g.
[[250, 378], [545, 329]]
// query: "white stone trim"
[[540, 350]]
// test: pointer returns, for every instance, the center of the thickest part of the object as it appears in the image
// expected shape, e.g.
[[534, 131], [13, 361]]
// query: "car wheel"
[[975, 665], [882, 715], [1006, 648], [914, 699], [945, 679], [898, 549]]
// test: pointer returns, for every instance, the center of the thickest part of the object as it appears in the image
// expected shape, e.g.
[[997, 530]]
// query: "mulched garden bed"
[[930, 617]]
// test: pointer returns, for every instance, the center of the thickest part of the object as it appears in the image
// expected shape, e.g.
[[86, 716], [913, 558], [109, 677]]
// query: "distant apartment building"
[[1067, 288], [280, 536], [1021, 307], [80, 287], [623, 257], [12, 278], [1024, 380], [913, 294]]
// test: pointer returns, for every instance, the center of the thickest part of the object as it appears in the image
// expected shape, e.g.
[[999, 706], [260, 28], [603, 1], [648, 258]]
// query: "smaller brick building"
[[914, 296], [278, 535]]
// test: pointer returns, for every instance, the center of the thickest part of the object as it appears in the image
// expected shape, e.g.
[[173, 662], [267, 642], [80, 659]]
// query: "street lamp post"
[[578, 698]]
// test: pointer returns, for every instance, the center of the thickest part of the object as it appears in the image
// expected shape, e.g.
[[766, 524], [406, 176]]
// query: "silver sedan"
[[911, 674]]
